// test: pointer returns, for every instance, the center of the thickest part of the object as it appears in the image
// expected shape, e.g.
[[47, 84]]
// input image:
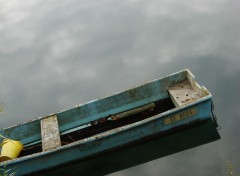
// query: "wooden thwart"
[[50, 133]]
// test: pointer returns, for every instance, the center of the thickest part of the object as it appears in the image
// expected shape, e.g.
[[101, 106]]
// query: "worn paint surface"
[[139, 96], [123, 136], [183, 93], [139, 152], [180, 116], [50, 133]]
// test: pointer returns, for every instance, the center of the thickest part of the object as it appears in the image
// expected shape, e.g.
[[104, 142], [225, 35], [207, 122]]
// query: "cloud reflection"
[[55, 55]]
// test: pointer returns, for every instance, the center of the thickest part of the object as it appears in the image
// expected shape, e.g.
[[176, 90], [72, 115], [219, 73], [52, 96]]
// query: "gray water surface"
[[55, 54]]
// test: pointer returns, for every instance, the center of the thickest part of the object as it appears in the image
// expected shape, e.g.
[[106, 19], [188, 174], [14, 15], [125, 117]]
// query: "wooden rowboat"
[[159, 118]]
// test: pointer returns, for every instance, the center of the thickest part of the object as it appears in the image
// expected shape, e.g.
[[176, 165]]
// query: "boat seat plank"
[[183, 93], [50, 133]]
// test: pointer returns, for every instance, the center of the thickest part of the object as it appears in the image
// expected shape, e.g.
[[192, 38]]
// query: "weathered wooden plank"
[[50, 133]]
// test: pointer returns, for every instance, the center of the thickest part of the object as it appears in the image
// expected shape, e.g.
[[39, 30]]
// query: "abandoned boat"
[[159, 118]]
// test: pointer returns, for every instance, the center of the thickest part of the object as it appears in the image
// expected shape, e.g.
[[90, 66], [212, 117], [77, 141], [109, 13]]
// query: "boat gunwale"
[[187, 71]]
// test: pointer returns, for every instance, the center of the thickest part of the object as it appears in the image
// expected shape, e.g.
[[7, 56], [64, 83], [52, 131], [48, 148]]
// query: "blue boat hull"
[[142, 141], [139, 152], [162, 133]]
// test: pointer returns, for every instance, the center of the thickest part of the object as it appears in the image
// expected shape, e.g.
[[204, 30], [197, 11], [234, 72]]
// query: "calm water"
[[54, 55]]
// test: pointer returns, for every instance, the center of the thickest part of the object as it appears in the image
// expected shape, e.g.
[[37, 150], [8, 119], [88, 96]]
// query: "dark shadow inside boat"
[[105, 124]]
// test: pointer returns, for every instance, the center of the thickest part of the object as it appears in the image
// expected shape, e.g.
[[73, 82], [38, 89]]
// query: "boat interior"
[[105, 124], [180, 94]]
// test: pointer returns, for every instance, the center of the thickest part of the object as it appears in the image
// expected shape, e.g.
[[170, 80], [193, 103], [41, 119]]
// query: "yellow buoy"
[[10, 149]]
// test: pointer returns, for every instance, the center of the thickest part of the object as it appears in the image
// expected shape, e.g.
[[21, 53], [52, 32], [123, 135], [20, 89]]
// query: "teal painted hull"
[[140, 152], [156, 136]]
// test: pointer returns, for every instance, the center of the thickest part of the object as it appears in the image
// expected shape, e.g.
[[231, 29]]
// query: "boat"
[[138, 125]]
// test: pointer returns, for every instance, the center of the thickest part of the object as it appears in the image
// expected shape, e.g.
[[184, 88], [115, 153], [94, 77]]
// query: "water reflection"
[[55, 55]]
